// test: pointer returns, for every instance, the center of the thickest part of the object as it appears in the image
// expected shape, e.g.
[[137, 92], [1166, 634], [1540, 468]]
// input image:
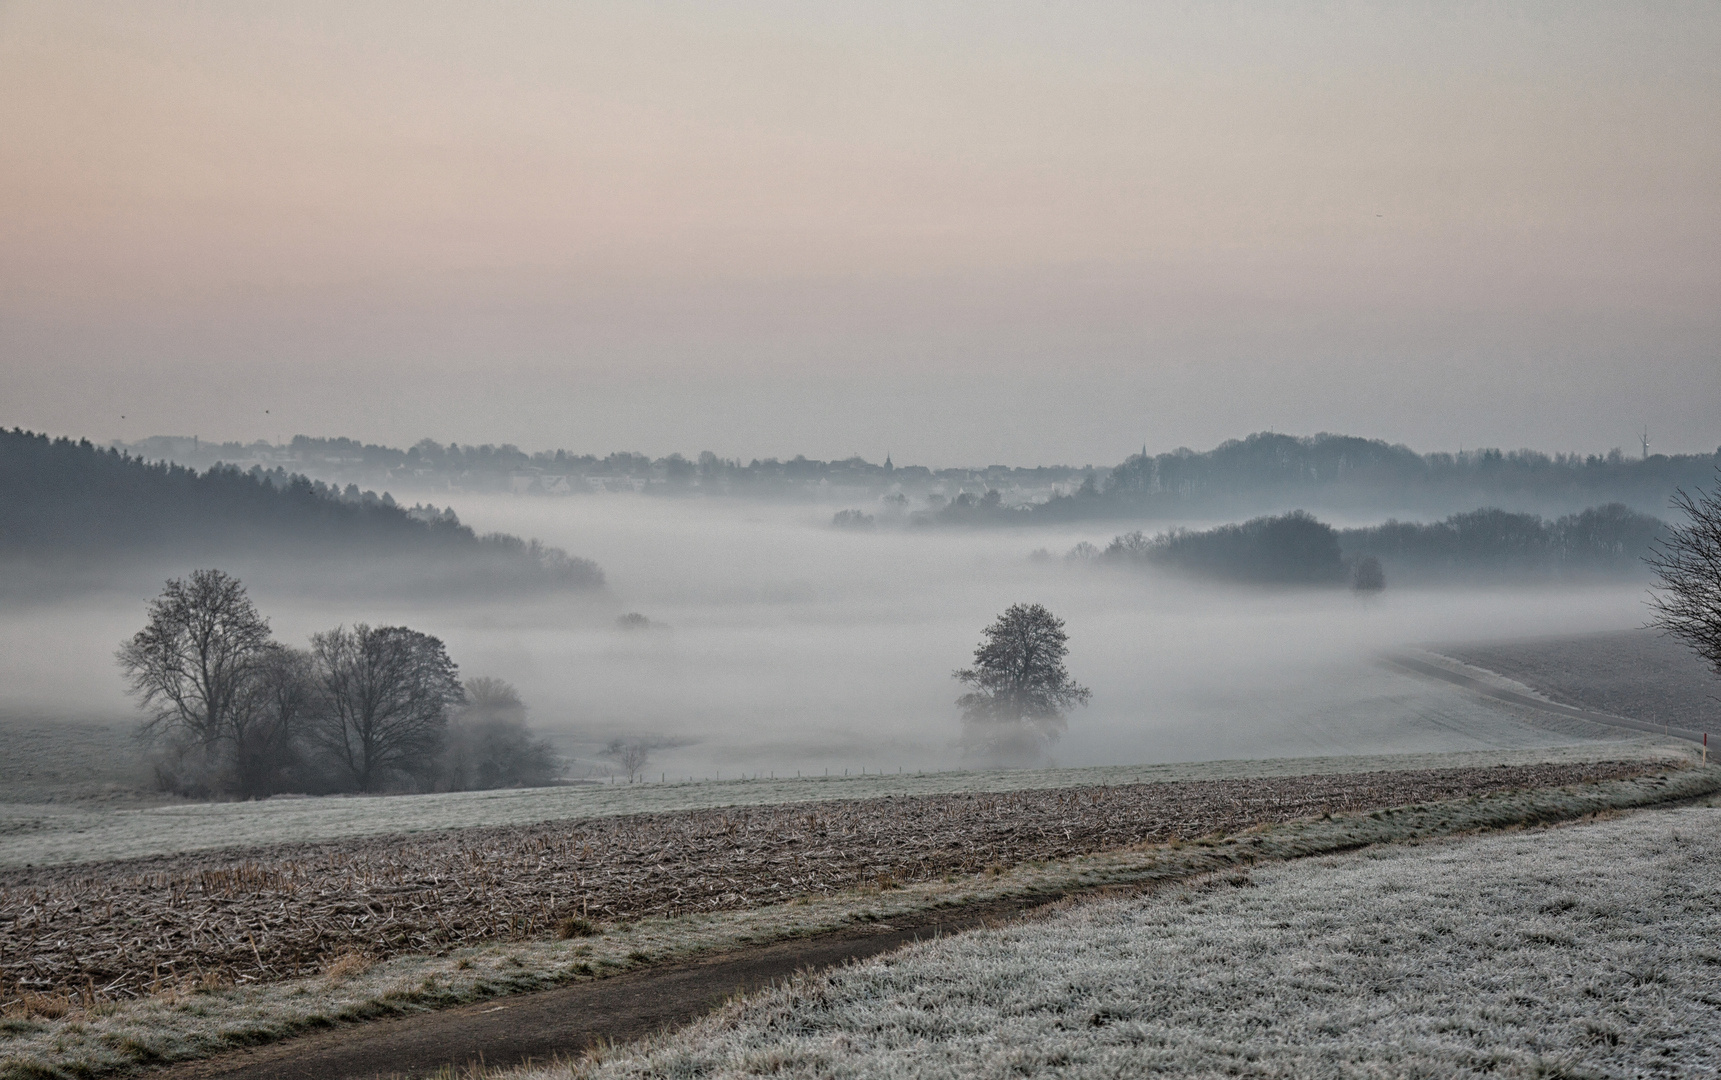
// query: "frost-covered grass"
[[1586, 950], [190, 1022], [54, 834]]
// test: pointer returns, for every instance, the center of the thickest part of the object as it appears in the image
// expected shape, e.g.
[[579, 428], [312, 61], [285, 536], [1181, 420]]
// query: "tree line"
[[231, 711], [64, 499], [1238, 475], [1299, 549], [1346, 471]]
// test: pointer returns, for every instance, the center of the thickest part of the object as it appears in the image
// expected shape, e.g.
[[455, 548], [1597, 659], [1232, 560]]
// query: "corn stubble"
[[1583, 951], [83, 935]]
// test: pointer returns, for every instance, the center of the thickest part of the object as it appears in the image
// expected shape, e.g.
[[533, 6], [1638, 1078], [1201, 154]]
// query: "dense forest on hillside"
[[1299, 549], [61, 499], [1265, 472]]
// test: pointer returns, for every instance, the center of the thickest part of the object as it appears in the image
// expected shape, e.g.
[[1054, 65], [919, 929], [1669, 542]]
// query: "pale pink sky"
[[1018, 232]]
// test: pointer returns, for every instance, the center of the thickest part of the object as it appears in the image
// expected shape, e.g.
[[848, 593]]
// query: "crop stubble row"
[[116, 930]]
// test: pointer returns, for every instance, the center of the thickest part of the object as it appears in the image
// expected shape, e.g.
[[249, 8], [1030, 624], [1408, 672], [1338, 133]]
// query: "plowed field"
[[120, 929]]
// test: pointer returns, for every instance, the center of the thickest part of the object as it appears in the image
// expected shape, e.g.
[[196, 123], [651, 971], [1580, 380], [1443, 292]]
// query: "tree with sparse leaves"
[[385, 694], [1021, 689], [1688, 563], [193, 666]]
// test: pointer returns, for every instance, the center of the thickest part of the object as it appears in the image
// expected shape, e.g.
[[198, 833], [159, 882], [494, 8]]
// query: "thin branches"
[[1688, 564]]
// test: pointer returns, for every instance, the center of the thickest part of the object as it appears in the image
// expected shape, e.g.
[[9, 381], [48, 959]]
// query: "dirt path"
[[565, 1021]]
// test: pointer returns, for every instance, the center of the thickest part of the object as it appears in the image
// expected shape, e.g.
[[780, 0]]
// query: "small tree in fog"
[[1688, 564], [191, 667], [385, 695], [1021, 688], [1367, 576], [489, 744]]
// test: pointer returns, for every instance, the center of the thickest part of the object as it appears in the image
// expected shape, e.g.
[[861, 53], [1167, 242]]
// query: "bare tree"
[[385, 696], [1021, 687], [1688, 562], [633, 754], [192, 666]]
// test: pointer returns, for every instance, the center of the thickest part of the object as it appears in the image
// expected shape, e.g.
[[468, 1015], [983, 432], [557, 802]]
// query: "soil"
[[118, 930]]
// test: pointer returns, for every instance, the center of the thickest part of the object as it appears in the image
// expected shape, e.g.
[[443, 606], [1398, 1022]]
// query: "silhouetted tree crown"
[[1296, 548], [387, 692], [193, 665], [1687, 564], [1018, 671]]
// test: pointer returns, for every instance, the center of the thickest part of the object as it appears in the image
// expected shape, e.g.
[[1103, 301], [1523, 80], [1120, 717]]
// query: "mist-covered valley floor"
[[776, 643]]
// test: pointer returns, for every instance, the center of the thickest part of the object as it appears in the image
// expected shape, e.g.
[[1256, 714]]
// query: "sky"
[[1002, 232]]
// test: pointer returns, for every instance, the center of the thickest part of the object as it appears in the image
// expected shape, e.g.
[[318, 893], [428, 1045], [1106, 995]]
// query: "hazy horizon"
[[787, 453], [949, 232]]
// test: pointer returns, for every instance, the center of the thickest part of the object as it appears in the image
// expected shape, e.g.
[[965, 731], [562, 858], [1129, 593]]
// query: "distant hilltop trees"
[[61, 500], [1344, 472], [1299, 549], [1263, 472]]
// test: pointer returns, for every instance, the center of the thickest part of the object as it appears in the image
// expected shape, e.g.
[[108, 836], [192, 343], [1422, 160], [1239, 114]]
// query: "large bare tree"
[[192, 665], [1021, 688], [385, 697], [1688, 562]]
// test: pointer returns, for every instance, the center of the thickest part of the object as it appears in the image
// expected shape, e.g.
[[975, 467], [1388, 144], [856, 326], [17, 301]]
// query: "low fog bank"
[[771, 642], [785, 644]]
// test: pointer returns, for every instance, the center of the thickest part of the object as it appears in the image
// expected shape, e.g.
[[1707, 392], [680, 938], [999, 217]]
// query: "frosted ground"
[[1586, 950]]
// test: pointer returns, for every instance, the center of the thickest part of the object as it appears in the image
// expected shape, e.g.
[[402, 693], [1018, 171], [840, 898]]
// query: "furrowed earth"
[[121, 930]]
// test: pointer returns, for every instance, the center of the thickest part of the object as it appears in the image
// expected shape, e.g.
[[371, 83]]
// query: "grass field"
[[65, 762], [1582, 951]]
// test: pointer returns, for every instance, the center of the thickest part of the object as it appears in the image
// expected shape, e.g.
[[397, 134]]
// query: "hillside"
[[64, 502]]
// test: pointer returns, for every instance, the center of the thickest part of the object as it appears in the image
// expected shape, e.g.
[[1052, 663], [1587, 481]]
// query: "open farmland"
[[123, 929], [1586, 950], [1643, 674]]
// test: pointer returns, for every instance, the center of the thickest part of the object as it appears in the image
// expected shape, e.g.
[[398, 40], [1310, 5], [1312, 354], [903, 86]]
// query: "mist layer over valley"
[[772, 642]]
